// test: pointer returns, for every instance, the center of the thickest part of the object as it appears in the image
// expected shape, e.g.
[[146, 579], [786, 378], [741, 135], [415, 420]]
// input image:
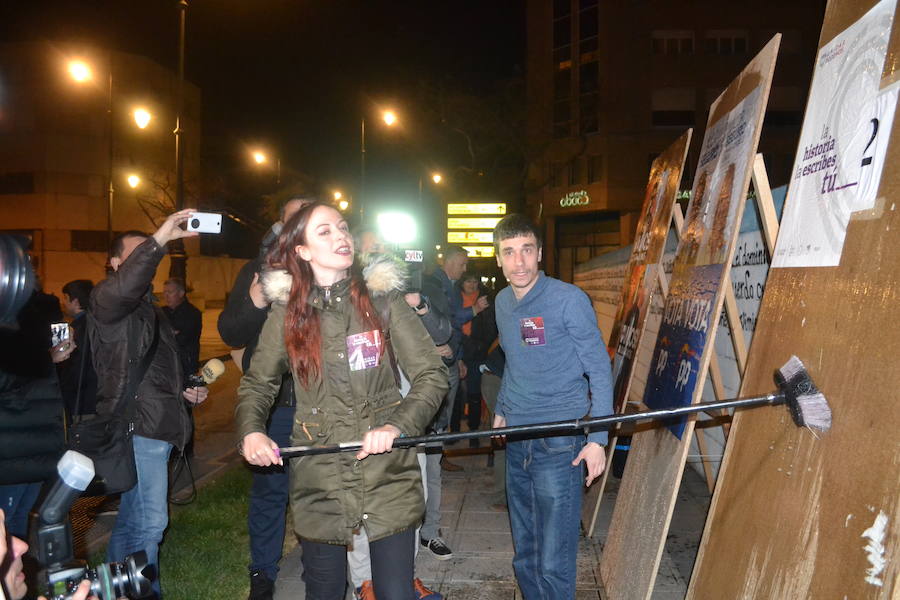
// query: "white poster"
[[836, 161]]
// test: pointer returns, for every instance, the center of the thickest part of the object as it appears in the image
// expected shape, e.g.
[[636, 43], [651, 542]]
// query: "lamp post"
[[436, 177], [390, 118], [178, 257]]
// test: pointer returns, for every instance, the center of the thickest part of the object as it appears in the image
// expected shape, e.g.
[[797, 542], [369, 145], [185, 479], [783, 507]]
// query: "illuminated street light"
[[338, 195], [396, 227], [259, 157], [436, 177], [133, 181], [142, 117], [80, 71], [390, 117], [343, 205]]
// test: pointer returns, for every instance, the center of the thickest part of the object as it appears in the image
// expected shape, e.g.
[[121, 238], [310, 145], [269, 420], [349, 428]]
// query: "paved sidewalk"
[[481, 567]]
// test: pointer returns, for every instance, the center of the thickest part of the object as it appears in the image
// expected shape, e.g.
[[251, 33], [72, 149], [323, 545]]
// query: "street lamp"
[[436, 177], [142, 117], [80, 71], [261, 158], [133, 181], [390, 119]]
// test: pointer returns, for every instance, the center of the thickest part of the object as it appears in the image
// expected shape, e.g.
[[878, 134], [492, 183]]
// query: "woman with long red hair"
[[338, 329]]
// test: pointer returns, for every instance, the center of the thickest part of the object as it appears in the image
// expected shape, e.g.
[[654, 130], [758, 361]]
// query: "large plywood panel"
[[794, 516], [681, 355]]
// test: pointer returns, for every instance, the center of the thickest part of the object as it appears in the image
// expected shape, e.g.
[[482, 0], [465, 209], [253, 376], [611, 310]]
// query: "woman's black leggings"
[[325, 568]]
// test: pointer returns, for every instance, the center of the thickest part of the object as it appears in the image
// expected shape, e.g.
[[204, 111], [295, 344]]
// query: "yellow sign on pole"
[[472, 223], [470, 237], [480, 251], [477, 208]]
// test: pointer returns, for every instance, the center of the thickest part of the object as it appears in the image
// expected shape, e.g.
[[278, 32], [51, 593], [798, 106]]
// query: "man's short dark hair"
[[515, 225], [118, 243], [177, 282], [79, 289]]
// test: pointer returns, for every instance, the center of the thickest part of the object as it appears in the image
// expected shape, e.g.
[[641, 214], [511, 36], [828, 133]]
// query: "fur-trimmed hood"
[[383, 273]]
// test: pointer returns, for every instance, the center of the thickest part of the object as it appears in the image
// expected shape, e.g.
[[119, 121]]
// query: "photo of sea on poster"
[[842, 128], [716, 204]]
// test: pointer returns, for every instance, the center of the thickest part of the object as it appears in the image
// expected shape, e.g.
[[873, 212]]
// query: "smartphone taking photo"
[[59, 332], [202, 222]]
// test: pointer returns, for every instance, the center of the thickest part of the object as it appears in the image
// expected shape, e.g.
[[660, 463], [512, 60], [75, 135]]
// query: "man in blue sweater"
[[554, 357]]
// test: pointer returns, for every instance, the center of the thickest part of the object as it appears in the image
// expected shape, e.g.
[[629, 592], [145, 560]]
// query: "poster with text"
[[641, 273], [692, 306], [842, 143]]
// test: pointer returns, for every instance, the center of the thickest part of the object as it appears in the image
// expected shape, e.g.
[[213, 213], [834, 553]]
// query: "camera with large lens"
[[415, 265], [132, 578], [127, 579]]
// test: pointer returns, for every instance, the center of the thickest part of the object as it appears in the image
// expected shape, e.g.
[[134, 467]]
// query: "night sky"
[[297, 75]]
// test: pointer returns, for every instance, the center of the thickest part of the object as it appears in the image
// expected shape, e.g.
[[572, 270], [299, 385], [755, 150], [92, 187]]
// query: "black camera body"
[[131, 578], [415, 265]]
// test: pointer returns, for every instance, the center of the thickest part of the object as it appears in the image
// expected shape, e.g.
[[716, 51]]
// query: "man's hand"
[[463, 370], [84, 588], [171, 227], [378, 440], [499, 421], [444, 350], [196, 395], [413, 299], [258, 449], [594, 457], [480, 305], [62, 351], [256, 293]]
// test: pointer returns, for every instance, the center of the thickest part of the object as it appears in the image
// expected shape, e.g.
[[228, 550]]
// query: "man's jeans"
[[544, 497], [268, 501], [144, 509]]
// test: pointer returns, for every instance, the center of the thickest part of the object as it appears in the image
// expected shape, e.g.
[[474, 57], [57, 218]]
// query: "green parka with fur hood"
[[334, 494]]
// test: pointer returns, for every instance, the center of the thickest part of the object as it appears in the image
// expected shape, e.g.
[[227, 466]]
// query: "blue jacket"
[[551, 341]]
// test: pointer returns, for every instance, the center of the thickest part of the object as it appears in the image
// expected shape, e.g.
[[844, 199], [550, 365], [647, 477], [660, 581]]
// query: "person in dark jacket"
[[31, 409], [329, 324], [76, 372], [239, 325], [123, 323], [186, 320]]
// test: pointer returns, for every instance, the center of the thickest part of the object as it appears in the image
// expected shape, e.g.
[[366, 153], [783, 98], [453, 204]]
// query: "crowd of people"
[[341, 342]]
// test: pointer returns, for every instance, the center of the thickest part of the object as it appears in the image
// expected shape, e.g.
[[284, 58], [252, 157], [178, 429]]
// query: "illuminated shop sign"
[[470, 237], [472, 223], [579, 198], [477, 209], [480, 251]]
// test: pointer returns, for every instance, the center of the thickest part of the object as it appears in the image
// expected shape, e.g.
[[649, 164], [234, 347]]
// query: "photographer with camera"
[[12, 577], [122, 310]]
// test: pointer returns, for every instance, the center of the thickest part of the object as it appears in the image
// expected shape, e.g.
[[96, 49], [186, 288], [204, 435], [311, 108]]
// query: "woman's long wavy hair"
[[302, 332]]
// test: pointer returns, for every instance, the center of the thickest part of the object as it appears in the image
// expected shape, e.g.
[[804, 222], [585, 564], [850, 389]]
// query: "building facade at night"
[[59, 144], [611, 84]]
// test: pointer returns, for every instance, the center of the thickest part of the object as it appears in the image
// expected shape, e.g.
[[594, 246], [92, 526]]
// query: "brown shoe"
[[446, 465]]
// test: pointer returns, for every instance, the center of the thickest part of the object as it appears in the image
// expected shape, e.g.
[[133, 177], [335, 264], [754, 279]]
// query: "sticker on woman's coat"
[[532, 330], [364, 350]]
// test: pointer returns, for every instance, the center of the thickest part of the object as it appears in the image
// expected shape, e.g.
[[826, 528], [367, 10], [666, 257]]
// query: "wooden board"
[[652, 475], [794, 516]]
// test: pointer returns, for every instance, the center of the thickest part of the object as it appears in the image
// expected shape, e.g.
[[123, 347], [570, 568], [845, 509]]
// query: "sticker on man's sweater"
[[364, 350], [532, 330]]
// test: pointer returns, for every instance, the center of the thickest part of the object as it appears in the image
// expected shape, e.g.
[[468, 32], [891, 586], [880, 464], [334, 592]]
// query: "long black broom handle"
[[559, 426]]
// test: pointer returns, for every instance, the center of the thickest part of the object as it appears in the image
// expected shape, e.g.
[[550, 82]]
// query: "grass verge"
[[206, 548]]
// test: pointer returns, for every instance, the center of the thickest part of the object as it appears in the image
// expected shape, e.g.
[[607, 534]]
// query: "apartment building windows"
[[562, 32], [726, 41], [673, 107], [672, 41]]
